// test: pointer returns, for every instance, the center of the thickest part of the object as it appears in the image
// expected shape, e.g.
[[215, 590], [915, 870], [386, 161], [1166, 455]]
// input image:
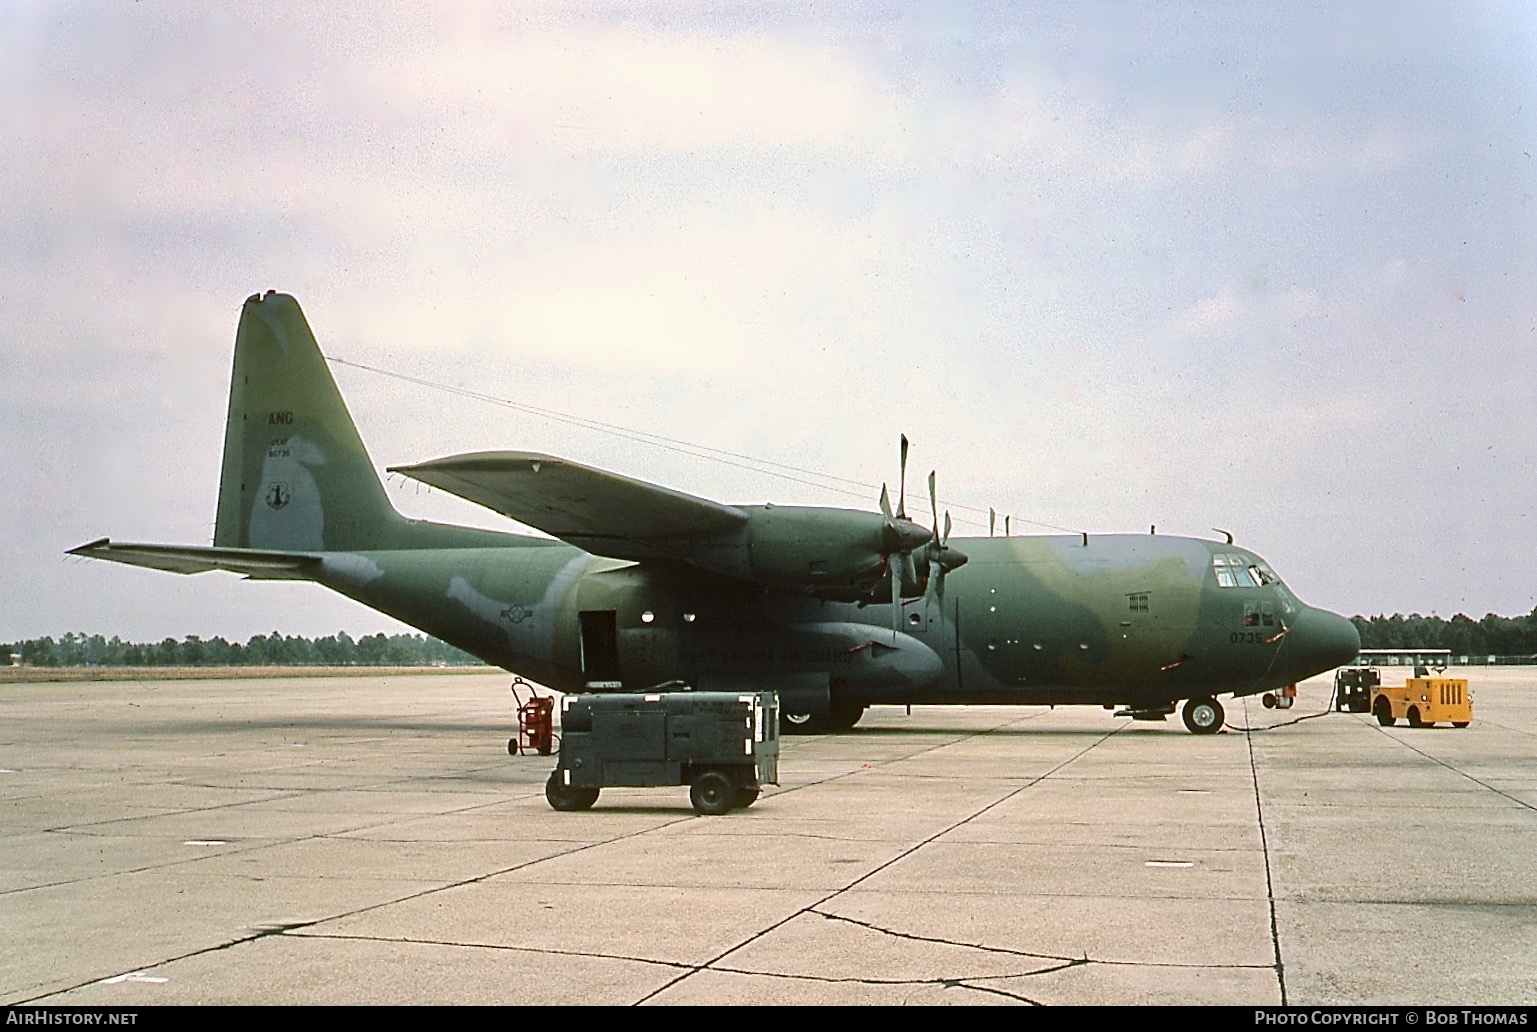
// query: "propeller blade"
[[937, 579], [992, 520], [896, 601], [886, 503], [947, 529], [902, 494], [1005, 526], [934, 504]]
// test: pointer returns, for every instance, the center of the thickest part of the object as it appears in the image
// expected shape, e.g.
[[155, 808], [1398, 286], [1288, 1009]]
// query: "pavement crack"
[[545, 951], [1004, 950], [233, 850], [1457, 770], [255, 935], [812, 907], [1259, 810], [964, 982], [287, 927], [995, 991], [1506, 727], [1066, 961]]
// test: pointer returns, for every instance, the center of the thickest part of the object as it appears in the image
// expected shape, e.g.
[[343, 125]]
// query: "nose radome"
[[1320, 641]]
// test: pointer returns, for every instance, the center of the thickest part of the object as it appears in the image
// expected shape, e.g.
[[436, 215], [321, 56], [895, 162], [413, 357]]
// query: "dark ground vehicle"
[[723, 745], [1353, 688]]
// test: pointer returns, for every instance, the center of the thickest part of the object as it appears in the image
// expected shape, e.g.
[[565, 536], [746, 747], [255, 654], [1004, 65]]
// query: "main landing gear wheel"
[[1203, 716], [712, 793], [564, 797], [843, 718], [836, 719], [801, 723]]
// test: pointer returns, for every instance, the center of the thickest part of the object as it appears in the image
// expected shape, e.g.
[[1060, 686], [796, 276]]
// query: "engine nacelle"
[[841, 555], [840, 550]]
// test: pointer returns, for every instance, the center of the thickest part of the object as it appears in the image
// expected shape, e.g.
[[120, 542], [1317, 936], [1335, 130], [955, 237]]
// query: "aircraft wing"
[[256, 564], [600, 512]]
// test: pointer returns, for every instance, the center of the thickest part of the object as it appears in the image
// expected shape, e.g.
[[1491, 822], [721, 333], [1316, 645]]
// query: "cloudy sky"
[[1263, 267]]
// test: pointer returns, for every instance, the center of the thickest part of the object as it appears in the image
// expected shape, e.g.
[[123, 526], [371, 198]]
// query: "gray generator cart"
[[723, 745]]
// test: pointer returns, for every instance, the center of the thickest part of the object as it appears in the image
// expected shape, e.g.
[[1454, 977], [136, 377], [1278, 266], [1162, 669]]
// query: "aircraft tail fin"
[[296, 476]]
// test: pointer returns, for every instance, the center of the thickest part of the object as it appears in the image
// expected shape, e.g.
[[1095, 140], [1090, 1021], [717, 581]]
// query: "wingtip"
[[89, 546]]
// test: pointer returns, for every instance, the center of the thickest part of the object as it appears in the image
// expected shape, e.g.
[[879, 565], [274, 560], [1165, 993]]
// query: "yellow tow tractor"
[[1423, 700]]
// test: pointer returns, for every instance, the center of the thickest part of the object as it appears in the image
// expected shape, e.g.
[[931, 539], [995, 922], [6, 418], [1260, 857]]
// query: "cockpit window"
[[1238, 571]]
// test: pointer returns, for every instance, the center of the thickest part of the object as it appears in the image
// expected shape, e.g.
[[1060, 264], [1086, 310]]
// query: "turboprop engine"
[[840, 554]]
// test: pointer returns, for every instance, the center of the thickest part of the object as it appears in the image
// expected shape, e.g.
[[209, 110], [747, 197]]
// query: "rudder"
[[296, 476]]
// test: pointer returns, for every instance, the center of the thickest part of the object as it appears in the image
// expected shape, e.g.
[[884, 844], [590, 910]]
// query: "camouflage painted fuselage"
[[1123, 619]]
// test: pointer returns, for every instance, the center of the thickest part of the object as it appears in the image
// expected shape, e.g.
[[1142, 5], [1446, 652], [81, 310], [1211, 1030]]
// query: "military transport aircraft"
[[836, 609]]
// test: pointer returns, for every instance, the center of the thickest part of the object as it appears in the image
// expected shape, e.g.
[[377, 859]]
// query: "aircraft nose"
[[1320, 640]]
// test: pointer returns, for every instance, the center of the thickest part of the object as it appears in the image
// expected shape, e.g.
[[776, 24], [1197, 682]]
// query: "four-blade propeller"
[[902, 538]]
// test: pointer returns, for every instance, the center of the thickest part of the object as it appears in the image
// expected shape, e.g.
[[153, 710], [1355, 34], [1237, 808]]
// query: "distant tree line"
[[74, 650], [1464, 636]]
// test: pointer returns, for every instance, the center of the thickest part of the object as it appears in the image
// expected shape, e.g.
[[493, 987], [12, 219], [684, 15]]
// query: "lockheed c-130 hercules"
[[836, 609]]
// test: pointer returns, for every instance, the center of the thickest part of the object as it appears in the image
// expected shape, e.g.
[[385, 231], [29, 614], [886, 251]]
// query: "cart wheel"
[[512, 747], [1268, 700], [745, 797], [1461, 723], [1414, 717], [1384, 712], [712, 793], [565, 798]]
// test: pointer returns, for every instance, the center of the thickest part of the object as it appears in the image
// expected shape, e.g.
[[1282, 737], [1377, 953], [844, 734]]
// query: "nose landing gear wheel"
[[1203, 716]]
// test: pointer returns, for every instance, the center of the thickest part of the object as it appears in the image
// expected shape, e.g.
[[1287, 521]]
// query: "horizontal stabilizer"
[[256, 564], [600, 512]]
